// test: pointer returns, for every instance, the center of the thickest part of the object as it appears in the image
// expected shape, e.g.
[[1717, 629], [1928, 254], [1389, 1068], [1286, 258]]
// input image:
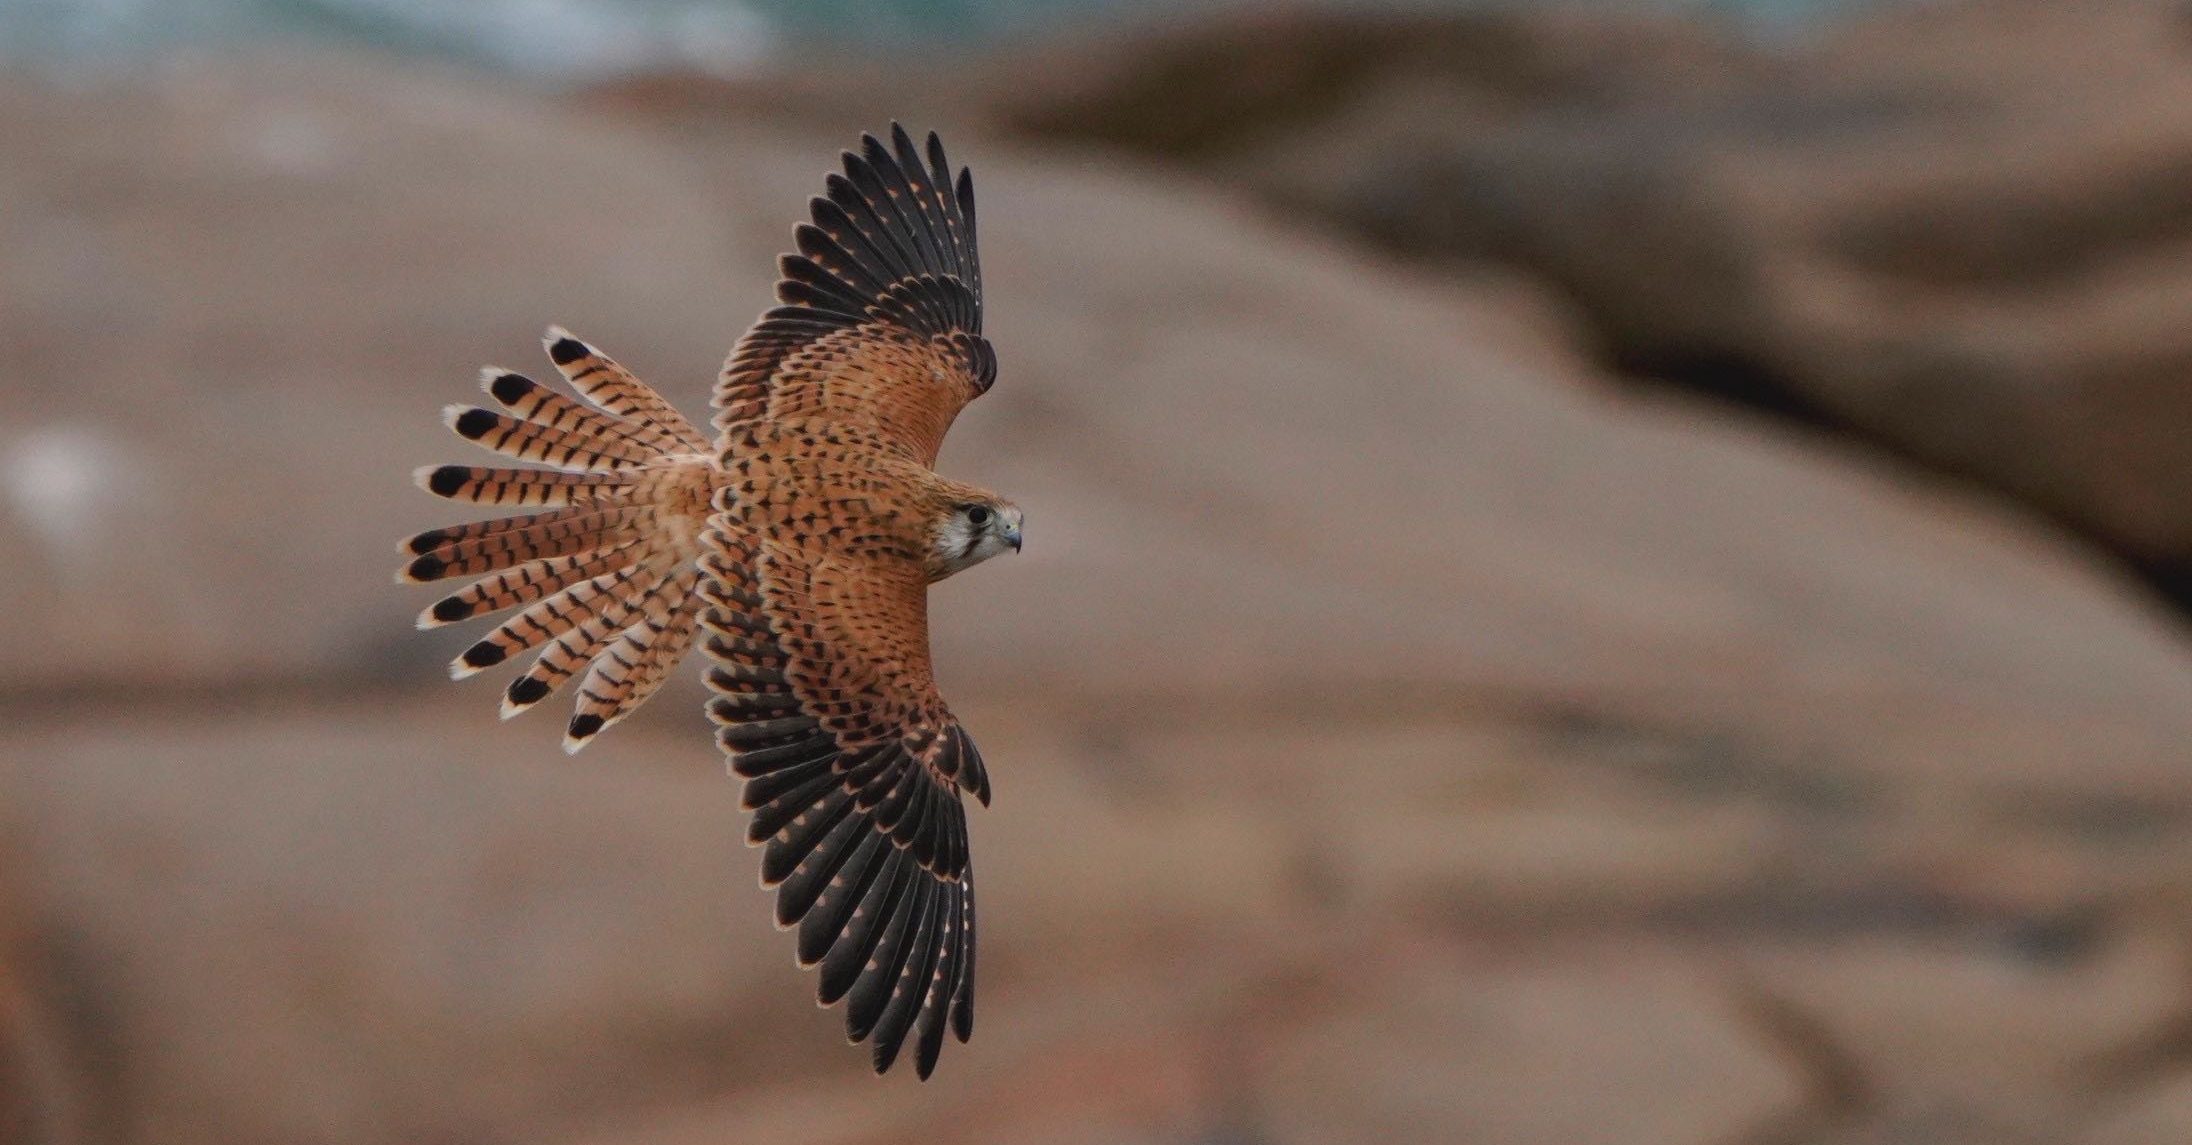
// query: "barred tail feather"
[[420, 544], [612, 387], [537, 403], [551, 618], [604, 575], [532, 441], [561, 535], [629, 672], [516, 487], [524, 584], [571, 653]]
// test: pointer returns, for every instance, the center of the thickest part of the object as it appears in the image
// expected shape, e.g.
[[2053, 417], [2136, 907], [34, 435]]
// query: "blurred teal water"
[[591, 38]]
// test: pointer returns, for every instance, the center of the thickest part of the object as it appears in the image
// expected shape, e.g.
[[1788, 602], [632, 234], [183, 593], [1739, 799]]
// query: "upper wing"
[[882, 318], [853, 770]]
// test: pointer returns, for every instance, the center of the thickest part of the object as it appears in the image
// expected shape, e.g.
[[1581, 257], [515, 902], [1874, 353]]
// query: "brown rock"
[[40, 1103], [1633, 1047], [2161, 1115], [329, 925], [1975, 1033], [1101, 1059], [1956, 228]]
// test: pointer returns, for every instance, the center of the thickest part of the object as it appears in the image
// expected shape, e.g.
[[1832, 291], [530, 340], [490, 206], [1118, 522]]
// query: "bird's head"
[[969, 527]]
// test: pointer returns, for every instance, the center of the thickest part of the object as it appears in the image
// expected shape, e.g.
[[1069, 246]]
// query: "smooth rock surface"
[[1624, 1048], [1959, 229]]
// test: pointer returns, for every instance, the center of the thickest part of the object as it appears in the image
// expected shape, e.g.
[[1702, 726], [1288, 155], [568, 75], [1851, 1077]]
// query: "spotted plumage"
[[796, 548]]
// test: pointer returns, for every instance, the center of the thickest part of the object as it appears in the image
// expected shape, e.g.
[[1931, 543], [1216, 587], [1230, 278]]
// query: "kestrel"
[[798, 545]]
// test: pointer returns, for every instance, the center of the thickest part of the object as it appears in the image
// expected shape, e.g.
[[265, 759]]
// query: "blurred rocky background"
[[1596, 573]]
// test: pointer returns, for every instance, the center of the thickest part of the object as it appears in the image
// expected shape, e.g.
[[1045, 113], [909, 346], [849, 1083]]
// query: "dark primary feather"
[[962, 994], [900, 199], [900, 999], [871, 990], [864, 929], [824, 920], [802, 877]]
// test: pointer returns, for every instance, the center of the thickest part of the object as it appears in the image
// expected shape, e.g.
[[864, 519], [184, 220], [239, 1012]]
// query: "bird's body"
[[796, 547]]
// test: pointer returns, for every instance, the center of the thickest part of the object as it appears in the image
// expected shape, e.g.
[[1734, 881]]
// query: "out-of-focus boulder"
[[40, 1103], [1958, 228], [2161, 1115], [1955, 1040], [335, 925], [1455, 1050]]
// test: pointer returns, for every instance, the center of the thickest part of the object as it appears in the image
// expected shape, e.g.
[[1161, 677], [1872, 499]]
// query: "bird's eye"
[[978, 514]]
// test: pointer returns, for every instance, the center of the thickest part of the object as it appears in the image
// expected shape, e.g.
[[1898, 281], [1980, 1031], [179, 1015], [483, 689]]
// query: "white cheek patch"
[[951, 544], [960, 546]]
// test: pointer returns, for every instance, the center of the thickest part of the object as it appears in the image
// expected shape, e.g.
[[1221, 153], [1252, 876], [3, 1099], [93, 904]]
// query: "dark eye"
[[978, 514]]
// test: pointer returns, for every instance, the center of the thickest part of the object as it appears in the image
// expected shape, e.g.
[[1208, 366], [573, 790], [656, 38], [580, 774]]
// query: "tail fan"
[[603, 573]]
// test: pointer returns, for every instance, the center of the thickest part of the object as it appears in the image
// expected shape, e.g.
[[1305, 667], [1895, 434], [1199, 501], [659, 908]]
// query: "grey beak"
[[1012, 537]]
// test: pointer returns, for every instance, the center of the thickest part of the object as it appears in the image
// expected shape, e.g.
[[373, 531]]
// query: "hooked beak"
[[1012, 537]]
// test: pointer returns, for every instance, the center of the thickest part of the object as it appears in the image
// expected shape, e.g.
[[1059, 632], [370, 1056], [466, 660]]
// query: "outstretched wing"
[[881, 325], [853, 767]]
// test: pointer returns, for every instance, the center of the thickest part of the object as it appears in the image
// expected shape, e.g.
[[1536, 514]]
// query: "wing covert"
[[881, 316]]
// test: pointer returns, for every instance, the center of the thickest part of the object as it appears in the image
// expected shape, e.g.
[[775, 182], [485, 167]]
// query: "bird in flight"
[[797, 547]]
